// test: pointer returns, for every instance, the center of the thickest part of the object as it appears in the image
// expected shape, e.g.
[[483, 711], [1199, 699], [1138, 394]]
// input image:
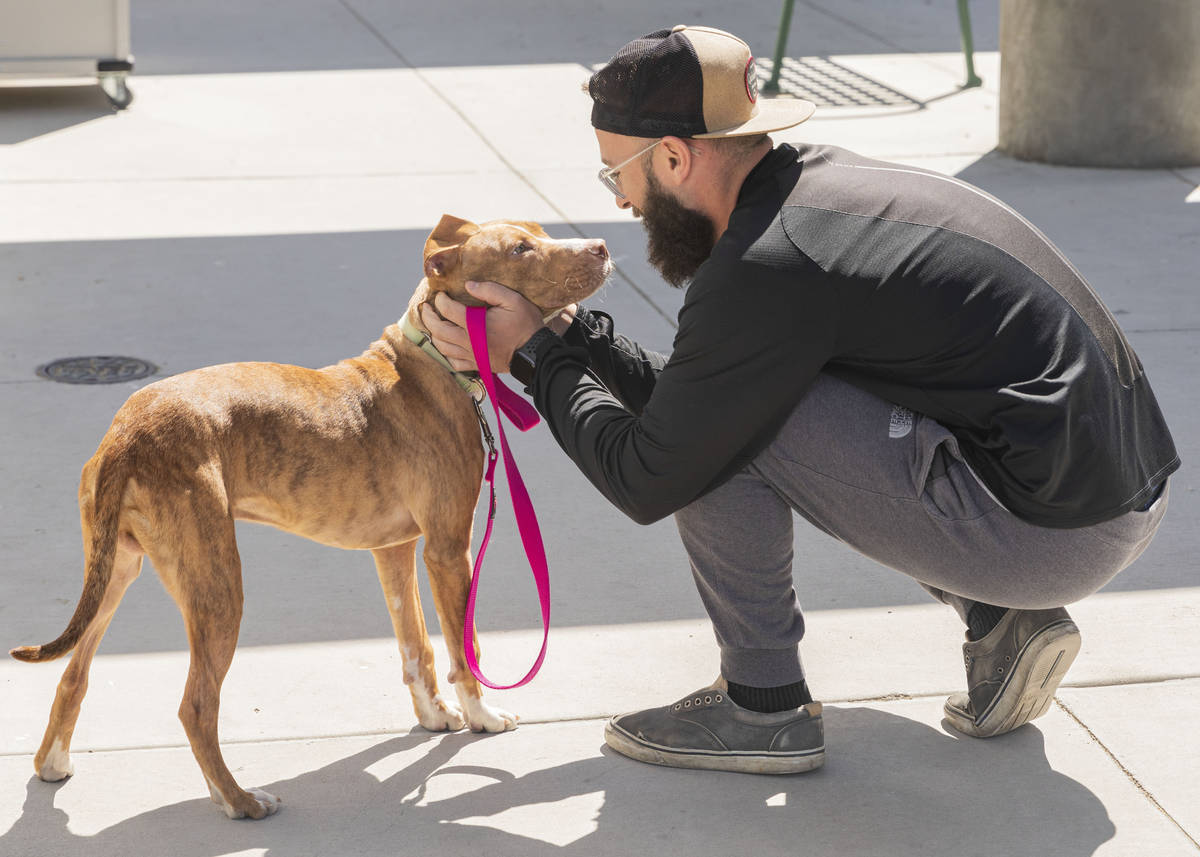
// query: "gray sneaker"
[[708, 730], [1013, 672]]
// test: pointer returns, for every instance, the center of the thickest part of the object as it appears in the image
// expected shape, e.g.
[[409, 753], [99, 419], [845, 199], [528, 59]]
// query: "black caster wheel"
[[118, 92]]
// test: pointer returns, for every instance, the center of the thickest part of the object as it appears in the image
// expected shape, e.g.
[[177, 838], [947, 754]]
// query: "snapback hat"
[[687, 82]]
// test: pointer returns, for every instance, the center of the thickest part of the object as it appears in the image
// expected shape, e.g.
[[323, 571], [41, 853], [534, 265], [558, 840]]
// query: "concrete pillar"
[[1111, 83]]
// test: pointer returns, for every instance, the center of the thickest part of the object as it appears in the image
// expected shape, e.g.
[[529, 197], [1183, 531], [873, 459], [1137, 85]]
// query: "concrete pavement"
[[266, 198]]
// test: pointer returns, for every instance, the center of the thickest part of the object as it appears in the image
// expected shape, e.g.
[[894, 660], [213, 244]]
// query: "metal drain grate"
[[96, 370], [829, 84]]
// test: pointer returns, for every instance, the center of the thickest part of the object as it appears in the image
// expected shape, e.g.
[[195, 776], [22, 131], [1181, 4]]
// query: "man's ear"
[[449, 234], [679, 158]]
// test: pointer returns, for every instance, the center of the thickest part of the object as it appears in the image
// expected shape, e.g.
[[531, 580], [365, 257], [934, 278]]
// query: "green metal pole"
[[785, 24], [968, 44]]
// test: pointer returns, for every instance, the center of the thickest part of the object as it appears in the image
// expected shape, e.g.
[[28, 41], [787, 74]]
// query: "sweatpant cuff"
[[762, 667]]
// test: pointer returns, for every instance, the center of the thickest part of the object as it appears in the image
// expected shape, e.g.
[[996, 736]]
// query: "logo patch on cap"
[[752, 81]]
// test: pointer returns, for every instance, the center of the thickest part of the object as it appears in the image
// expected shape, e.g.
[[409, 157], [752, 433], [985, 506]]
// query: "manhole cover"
[[96, 370]]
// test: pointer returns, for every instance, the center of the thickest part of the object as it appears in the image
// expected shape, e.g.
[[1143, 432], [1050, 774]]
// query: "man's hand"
[[511, 320]]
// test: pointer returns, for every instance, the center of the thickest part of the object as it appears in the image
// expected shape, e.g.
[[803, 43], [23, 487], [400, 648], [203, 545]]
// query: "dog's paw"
[[484, 718], [52, 774], [57, 765], [438, 715], [253, 803], [265, 804]]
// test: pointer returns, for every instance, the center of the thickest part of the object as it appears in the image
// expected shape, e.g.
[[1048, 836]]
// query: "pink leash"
[[524, 416]]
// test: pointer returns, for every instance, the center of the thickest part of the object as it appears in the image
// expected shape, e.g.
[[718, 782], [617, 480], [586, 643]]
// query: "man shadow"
[[891, 786]]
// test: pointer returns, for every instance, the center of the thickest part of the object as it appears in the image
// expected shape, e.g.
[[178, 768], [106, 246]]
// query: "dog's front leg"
[[396, 566], [449, 565]]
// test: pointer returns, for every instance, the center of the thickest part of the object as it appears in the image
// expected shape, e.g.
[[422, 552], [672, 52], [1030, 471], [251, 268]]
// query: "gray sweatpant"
[[892, 485]]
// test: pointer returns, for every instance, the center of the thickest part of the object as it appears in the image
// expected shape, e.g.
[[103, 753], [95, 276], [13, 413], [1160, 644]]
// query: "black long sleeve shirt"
[[912, 285]]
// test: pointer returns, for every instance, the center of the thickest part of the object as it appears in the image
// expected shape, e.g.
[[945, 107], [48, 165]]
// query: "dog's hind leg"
[[206, 582], [397, 567], [53, 759], [448, 559]]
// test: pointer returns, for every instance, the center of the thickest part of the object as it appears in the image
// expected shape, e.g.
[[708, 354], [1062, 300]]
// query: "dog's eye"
[[521, 248]]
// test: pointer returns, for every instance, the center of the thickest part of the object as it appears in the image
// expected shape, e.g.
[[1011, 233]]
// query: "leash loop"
[[524, 416]]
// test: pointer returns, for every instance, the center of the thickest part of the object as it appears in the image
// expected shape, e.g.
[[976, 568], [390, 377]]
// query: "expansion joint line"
[[1128, 773], [383, 40]]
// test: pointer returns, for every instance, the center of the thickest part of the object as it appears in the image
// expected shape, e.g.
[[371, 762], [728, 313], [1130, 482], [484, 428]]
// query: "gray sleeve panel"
[[840, 181]]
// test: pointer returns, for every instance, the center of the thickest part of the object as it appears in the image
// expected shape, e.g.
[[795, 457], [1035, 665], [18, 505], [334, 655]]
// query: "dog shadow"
[[891, 786]]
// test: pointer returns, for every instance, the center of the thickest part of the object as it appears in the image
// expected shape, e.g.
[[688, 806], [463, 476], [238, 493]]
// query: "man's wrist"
[[524, 359]]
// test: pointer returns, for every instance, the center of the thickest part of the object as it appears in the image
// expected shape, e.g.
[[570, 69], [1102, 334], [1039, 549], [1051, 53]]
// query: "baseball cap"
[[687, 82]]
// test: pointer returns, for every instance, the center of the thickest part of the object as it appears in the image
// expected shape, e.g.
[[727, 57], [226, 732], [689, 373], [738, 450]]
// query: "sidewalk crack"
[[1182, 176], [1128, 773], [617, 271]]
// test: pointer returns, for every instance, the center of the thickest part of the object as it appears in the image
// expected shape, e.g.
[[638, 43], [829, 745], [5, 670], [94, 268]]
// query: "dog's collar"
[[420, 339]]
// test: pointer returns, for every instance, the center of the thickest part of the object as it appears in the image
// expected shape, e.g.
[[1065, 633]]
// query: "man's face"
[[678, 238]]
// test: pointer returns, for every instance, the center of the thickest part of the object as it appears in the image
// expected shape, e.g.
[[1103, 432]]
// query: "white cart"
[[68, 38]]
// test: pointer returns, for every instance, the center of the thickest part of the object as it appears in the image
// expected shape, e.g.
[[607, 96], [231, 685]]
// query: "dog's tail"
[[112, 474]]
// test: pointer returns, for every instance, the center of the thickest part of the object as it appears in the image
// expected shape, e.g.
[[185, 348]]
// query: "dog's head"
[[550, 272]]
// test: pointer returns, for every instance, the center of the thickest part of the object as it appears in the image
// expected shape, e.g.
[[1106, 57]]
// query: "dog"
[[368, 454]]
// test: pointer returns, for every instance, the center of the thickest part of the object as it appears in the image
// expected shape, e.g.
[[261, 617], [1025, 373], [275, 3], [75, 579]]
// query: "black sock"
[[770, 699], [982, 618]]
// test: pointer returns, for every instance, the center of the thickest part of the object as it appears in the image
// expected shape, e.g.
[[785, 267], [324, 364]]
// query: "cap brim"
[[773, 115]]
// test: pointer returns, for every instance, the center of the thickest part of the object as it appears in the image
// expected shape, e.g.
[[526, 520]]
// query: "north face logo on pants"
[[901, 422]]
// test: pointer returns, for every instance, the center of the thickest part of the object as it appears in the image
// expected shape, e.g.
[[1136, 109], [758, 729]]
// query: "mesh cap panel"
[[653, 87], [687, 82]]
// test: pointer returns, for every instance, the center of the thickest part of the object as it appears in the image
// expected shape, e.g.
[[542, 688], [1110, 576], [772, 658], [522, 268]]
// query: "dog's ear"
[[449, 232], [442, 245], [442, 261]]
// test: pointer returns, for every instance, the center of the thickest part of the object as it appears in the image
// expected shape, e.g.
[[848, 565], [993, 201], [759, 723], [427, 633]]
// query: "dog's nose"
[[598, 247]]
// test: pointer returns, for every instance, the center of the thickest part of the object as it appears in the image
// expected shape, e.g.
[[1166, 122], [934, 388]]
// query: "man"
[[890, 353]]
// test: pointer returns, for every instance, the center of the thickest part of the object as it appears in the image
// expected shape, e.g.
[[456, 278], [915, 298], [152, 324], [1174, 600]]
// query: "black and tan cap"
[[687, 82]]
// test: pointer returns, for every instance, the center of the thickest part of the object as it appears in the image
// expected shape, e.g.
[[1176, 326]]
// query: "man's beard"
[[678, 239]]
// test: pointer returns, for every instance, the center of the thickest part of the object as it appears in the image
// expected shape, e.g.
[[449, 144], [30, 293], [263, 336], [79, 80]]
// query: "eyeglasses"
[[608, 175]]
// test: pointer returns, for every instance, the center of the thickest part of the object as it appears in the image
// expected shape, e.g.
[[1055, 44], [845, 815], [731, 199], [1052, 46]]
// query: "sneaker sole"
[[745, 763], [1039, 669]]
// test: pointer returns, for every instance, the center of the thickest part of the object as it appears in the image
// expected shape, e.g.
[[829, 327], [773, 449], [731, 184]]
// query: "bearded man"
[[892, 354]]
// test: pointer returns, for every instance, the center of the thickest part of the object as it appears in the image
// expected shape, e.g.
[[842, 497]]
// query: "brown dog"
[[368, 454]]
